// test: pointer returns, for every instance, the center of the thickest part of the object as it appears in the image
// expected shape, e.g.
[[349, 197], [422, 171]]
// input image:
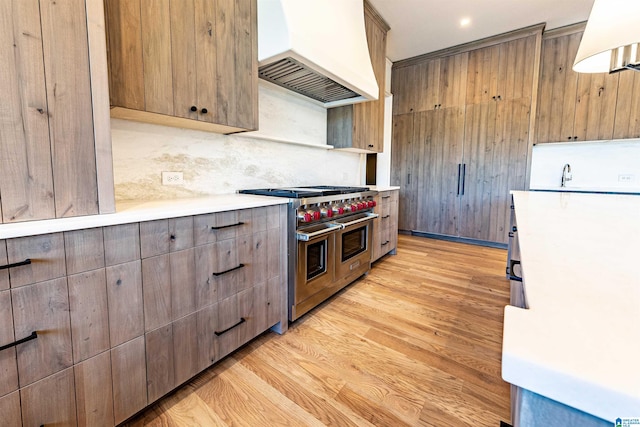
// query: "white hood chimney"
[[317, 48]]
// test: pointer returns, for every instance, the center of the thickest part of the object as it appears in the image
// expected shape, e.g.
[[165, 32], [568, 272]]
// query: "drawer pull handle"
[[512, 264], [229, 271], [385, 197], [385, 243], [242, 320], [33, 336], [17, 264], [227, 226], [386, 216]]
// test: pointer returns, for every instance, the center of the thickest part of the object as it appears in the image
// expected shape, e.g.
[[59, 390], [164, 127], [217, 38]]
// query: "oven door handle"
[[369, 217], [305, 237]]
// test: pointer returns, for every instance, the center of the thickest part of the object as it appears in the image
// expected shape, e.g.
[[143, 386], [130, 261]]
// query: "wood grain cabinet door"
[[236, 321], [45, 255], [10, 410], [8, 362], [404, 168], [94, 391], [124, 297], [50, 401], [128, 368], [42, 308]]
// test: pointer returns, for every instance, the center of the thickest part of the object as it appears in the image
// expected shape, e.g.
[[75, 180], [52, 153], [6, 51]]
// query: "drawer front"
[[128, 368], [46, 253], [236, 322], [211, 228], [84, 250], [8, 362], [121, 243], [43, 308], [154, 238], [124, 296], [10, 410], [94, 392], [50, 401]]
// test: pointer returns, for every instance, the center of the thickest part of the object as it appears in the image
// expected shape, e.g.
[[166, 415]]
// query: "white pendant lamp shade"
[[613, 28]]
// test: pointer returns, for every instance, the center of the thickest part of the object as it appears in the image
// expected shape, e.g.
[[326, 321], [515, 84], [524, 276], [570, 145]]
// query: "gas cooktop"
[[305, 192]]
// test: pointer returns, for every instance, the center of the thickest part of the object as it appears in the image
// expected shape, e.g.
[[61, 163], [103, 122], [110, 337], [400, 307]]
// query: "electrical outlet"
[[172, 178], [626, 178]]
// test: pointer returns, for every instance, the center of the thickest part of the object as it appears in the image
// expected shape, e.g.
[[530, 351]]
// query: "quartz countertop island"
[[578, 342]]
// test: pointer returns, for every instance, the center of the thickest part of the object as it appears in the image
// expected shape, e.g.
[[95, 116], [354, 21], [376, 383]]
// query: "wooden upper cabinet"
[[171, 60], [580, 107], [49, 154], [430, 85], [360, 126], [627, 121]]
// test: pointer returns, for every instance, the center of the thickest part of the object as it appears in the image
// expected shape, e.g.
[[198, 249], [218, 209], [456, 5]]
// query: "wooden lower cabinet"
[[129, 376], [385, 227], [50, 401], [129, 322], [10, 410], [94, 391]]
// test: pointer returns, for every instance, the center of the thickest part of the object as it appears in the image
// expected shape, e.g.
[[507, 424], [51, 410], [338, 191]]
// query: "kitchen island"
[[574, 350]]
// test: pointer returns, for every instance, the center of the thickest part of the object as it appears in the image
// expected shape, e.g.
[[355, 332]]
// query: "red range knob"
[[316, 215], [374, 203], [329, 213], [371, 203], [340, 210], [307, 217], [354, 208], [361, 205]]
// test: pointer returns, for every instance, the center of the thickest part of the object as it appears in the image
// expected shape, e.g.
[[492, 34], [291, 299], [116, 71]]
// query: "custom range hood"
[[317, 48]]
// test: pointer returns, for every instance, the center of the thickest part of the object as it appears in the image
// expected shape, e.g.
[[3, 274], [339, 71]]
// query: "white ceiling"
[[423, 26]]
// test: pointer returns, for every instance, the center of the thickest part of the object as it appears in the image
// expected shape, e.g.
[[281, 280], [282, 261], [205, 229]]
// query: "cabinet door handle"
[[459, 175], [513, 263], [408, 178], [371, 145], [386, 216], [464, 176], [16, 264], [385, 243], [218, 333], [228, 271], [194, 108], [33, 336], [385, 197], [204, 111], [220, 227]]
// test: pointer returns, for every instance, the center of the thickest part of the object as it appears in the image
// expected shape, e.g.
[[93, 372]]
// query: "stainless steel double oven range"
[[329, 240]]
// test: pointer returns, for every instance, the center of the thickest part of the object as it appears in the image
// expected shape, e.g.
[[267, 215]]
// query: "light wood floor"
[[417, 342]]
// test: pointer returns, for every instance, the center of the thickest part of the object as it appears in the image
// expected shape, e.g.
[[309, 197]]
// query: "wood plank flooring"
[[417, 342]]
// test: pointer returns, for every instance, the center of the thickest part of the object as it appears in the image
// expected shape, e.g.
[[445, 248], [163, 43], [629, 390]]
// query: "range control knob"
[[338, 210], [371, 203], [306, 217], [327, 211], [316, 215], [361, 206], [354, 208]]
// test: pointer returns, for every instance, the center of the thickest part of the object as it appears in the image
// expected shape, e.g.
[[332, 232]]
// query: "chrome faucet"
[[566, 174]]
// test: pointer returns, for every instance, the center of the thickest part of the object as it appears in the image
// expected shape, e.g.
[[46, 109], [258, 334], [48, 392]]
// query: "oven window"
[[316, 259], [354, 242]]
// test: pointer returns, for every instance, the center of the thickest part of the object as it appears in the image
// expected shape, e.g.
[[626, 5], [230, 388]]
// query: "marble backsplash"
[[221, 164]]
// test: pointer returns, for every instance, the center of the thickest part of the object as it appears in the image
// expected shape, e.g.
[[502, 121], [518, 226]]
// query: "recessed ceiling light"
[[464, 22]]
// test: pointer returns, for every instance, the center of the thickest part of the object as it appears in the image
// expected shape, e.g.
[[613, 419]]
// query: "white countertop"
[[579, 341], [383, 187], [136, 211]]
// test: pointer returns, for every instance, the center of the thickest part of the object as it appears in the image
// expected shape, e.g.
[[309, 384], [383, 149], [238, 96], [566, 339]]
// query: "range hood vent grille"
[[299, 78]]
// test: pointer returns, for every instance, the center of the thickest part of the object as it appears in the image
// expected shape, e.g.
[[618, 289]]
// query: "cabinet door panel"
[[452, 88], [207, 324], [183, 283], [89, 314], [156, 280], [404, 168], [10, 410], [405, 95], [207, 57], [224, 109], [627, 123], [482, 76], [211, 228], [185, 348], [84, 250], [154, 238], [121, 243], [124, 292], [155, 20], [129, 379], [8, 363], [183, 58], [440, 133], [25, 153], [73, 156], [94, 391], [46, 253], [126, 76], [236, 321], [596, 106], [50, 401], [180, 233], [246, 65], [160, 363], [233, 266], [43, 308], [557, 89], [266, 304], [515, 73]]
